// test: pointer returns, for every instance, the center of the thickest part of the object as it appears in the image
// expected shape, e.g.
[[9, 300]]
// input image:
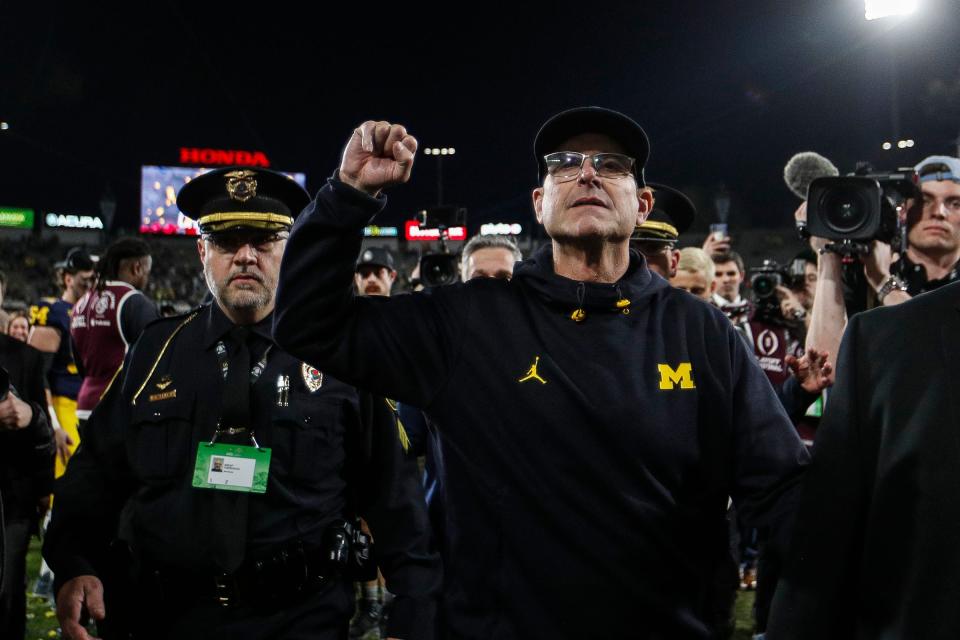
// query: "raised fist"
[[378, 155]]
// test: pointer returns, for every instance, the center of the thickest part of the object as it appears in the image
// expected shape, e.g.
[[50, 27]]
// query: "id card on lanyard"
[[233, 467]]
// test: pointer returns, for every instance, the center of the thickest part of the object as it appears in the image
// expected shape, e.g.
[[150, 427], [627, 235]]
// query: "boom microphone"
[[805, 167]]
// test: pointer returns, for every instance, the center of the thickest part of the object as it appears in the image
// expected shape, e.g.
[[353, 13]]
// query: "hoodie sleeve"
[[769, 457], [402, 347], [392, 503]]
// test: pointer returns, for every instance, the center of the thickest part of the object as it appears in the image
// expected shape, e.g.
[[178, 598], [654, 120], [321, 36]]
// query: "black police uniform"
[[207, 562]]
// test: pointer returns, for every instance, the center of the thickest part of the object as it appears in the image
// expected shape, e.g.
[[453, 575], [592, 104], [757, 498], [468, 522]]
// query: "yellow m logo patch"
[[670, 377]]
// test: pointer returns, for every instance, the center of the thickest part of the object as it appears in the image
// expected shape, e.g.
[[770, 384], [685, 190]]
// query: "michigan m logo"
[[669, 377]]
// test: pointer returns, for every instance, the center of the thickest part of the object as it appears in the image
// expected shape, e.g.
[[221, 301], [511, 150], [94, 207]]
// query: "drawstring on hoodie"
[[579, 315], [622, 303]]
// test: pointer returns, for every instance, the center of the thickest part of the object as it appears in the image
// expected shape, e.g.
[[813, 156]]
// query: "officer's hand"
[[14, 413], [378, 155], [812, 370], [82, 592], [63, 442]]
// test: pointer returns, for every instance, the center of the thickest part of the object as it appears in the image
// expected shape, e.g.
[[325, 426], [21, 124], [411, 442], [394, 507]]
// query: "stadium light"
[[876, 9], [4, 126], [439, 152], [886, 146]]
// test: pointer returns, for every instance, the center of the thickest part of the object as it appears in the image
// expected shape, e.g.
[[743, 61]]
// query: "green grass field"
[[42, 623]]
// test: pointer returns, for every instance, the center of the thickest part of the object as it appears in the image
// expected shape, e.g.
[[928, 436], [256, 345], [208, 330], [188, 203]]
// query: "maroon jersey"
[[772, 344], [101, 335]]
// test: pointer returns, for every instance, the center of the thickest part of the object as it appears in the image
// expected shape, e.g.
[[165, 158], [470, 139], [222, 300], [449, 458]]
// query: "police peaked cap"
[[573, 122], [242, 197], [672, 214]]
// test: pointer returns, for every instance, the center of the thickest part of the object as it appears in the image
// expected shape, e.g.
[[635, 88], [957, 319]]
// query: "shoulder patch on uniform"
[[312, 377]]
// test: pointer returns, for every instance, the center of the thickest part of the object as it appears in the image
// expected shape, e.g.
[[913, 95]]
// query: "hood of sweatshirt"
[[633, 291]]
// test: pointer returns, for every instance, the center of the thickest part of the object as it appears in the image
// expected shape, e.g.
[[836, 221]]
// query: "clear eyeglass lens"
[[566, 165]]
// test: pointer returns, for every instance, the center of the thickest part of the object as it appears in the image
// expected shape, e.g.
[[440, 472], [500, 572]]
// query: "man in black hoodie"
[[591, 444]]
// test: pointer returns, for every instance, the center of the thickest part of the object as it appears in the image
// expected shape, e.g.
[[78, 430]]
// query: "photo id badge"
[[231, 467]]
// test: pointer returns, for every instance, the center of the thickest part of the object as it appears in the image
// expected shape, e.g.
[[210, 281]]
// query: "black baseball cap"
[[566, 124], [376, 256], [672, 214], [77, 259], [242, 198]]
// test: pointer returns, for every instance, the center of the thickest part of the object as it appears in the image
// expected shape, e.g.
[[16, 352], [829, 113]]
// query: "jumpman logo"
[[532, 373]]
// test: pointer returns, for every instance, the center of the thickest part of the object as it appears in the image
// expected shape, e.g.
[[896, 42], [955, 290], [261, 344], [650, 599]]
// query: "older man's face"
[[241, 268], [489, 262], [590, 208]]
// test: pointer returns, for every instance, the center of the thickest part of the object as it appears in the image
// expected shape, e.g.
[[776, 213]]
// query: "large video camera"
[[855, 209], [764, 281], [443, 267]]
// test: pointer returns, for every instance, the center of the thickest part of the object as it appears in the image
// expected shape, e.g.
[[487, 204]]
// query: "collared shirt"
[[915, 275]]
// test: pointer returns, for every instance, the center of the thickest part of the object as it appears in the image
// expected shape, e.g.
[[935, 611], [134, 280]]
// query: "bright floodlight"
[[876, 9], [4, 126], [887, 146]]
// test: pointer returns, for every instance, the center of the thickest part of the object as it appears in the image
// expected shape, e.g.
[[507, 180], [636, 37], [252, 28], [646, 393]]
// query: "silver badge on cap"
[[241, 185], [367, 255], [312, 377]]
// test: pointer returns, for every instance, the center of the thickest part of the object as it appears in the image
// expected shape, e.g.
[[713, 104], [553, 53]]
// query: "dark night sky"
[[726, 93]]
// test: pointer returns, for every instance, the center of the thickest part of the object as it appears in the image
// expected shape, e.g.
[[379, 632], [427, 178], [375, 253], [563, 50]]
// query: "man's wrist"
[[889, 285], [354, 183]]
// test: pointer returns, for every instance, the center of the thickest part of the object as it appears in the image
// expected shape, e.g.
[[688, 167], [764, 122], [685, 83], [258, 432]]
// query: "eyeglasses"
[[233, 242], [563, 166]]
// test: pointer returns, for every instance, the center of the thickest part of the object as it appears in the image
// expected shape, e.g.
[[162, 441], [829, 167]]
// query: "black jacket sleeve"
[[794, 398], [401, 347], [819, 579], [88, 498], [391, 501]]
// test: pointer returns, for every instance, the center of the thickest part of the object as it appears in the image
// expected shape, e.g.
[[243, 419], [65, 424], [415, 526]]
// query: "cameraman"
[[930, 261]]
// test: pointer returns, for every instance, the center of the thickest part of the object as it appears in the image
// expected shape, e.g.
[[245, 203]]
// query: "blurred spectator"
[[19, 326], [695, 273], [26, 473], [109, 318], [375, 273], [730, 275], [489, 257]]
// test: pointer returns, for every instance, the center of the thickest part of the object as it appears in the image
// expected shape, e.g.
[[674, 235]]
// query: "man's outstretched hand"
[[813, 371]]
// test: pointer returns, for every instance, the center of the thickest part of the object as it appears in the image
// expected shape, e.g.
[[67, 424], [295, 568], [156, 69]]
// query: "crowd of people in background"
[[81, 309]]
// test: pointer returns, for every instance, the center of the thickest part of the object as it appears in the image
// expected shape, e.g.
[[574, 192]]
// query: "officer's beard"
[[253, 295]]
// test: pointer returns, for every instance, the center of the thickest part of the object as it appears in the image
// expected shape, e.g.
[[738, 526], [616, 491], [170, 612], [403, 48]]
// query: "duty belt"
[[292, 571]]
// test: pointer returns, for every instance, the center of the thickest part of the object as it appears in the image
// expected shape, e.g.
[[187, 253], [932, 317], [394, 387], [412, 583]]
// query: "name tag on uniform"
[[231, 467]]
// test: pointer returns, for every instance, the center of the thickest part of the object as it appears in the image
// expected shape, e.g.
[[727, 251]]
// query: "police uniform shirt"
[[141, 445]]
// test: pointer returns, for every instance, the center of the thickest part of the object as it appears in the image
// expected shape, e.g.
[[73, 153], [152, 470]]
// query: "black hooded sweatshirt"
[[588, 462]]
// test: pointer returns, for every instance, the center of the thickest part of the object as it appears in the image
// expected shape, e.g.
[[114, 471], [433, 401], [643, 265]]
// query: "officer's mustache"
[[246, 274]]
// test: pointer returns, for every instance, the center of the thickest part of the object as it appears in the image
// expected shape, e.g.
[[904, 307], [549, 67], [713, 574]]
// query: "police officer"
[[376, 272], [226, 474], [656, 237]]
